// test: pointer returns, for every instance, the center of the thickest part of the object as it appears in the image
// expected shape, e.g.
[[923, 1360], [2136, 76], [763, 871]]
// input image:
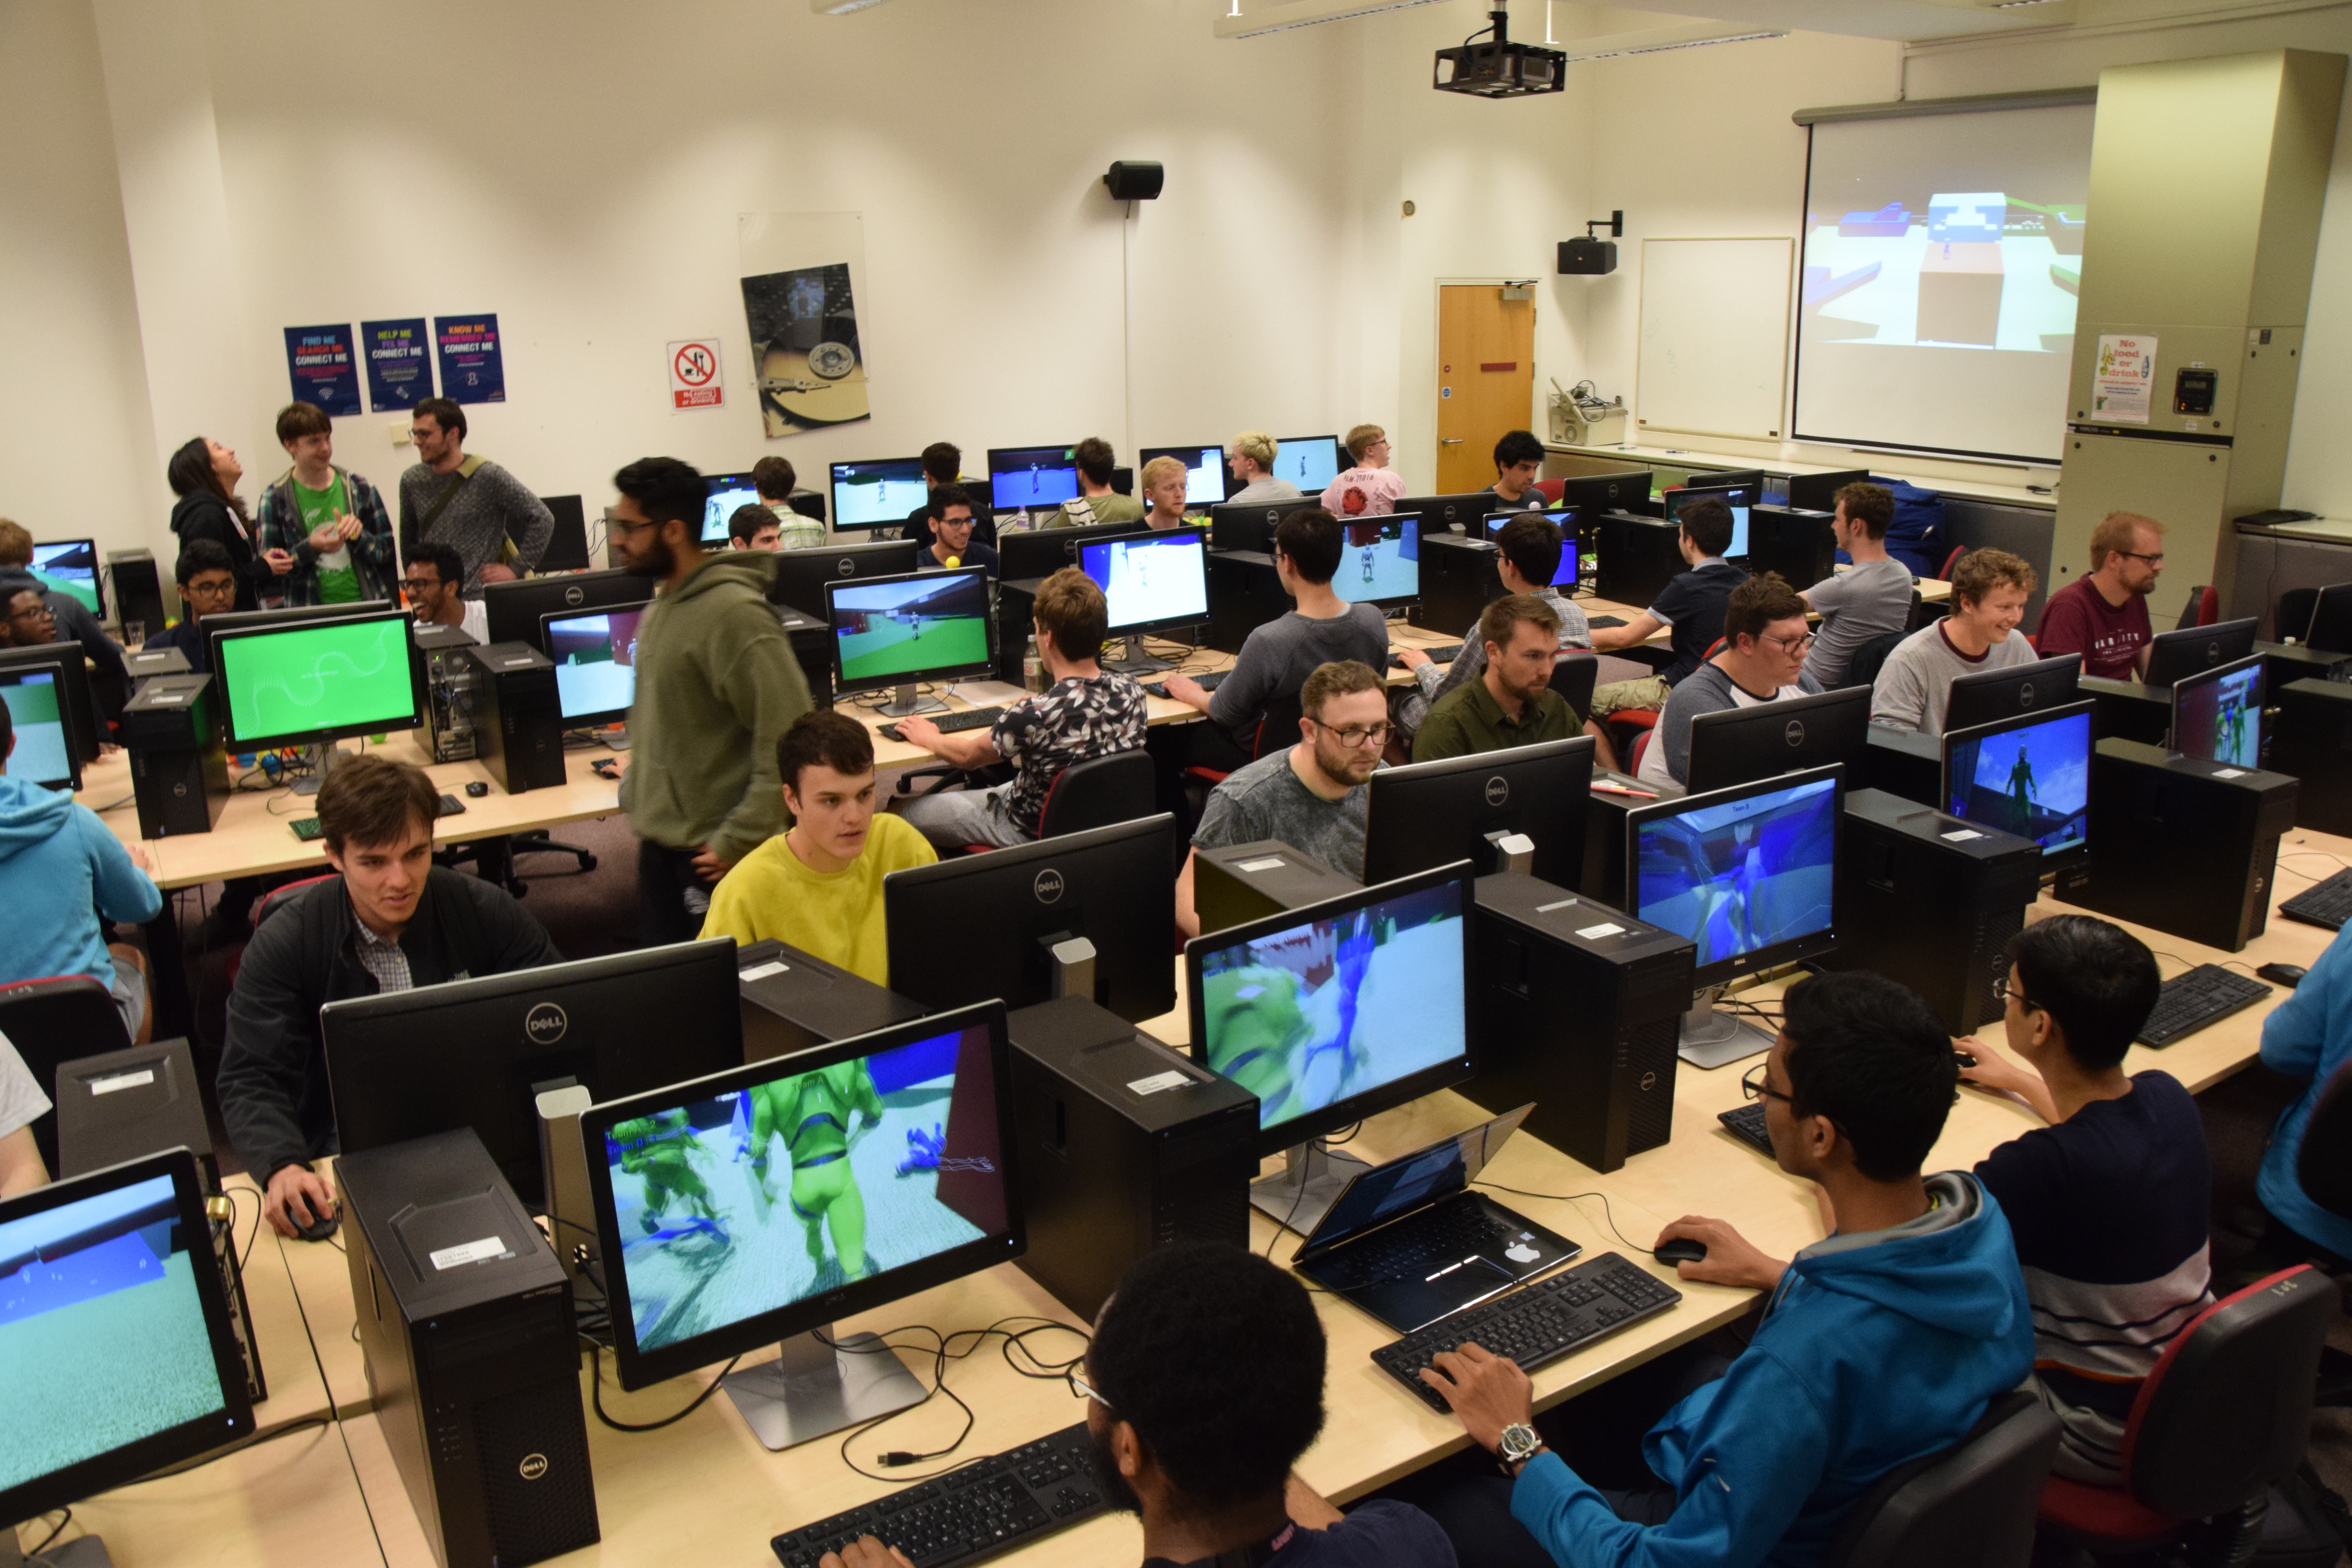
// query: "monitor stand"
[[616, 739], [1307, 1185], [909, 701], [1134, 661], [82, 1551], [321, 759], [1714, 1040], [813, 1389]]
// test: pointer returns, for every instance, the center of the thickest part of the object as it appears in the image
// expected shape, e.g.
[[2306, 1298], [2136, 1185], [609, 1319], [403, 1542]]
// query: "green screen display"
[[342, 676]]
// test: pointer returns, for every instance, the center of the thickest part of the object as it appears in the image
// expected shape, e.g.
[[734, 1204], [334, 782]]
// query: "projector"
[[1499, 67]]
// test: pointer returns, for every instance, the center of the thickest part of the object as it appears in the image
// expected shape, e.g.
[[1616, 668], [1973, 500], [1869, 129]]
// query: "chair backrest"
[[1278, 731], [1924, 612], [1574, 676], [53, 1021], [2208, 606], [1641, 745], [2324, 1167], [278, 898], [1870, 657], [2227, 1410], [1972, 1506], [1552, 489], [1098, 792], [1951, 561]]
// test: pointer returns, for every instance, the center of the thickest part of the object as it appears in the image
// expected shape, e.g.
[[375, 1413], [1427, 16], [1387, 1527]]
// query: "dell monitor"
[[1741, 745], [1380, 563], [1590, 495], [1311, 462], [2330, 628], [1749, 875], [70, 566], [1003, 924], [1333, 1013], [1521, 809], [2188, 649], [880, 492], [1738, 501], [1028, 552], [45, 751], [1748, 480], [759, 1205], [721, 494], [63, 663], [1204, 471], [1564, 578], [801, 575], [595, 657], [567, 542], [309, 683], [2217, 714], [899, 632], [1992, 695], [1250, 525], [476, 1053], [1449, 515], [2030, 777], [116, 1330], [517, 612], [1817, 492], [1022, 477], [1153, 582]]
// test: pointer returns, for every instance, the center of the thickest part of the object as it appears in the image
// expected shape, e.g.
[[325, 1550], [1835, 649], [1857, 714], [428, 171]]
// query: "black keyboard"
[[1438, 653], [2206, 994], [1746, 1124], [1208, 683], [1445, 1235], [989, 1506], [306, 828], [1537, 1325], [949, 724], [1605, 621], [2329, 903]]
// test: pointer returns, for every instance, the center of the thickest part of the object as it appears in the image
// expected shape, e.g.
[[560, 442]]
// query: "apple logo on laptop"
[[1520, 1252]]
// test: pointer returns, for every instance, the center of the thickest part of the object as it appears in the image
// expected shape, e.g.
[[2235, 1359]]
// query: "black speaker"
[[1588, 256], [1135, 181]]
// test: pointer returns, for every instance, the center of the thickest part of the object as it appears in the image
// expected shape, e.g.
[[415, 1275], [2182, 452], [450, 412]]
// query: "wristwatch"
[[1517, 1444]]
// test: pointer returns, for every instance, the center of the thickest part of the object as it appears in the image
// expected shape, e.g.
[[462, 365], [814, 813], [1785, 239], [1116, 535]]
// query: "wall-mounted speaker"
[[1587, 256], [1135, 181]]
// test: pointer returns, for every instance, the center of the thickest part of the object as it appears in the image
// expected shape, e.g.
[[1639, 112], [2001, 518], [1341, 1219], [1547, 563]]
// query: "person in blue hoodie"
[[60, 870], [2308, 1038], [1880, 1345]]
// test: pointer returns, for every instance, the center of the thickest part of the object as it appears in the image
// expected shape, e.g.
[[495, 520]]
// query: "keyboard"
[[1443, 1235], [2329, 903], [306, 828], [2206, 994], [1537, 1325], [949, 724], [1746, 1124], [1208, 683], [989, 1506], [1605, 621], [1438, 654]]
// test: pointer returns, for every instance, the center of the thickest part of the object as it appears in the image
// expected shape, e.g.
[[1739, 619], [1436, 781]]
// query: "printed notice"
[[322, 367], [473, 365], [694, 375], [399, 363], [2124, 380]]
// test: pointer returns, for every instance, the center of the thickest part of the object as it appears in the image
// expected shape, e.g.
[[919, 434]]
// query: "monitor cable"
[[1571, 1198], [943, 1351]]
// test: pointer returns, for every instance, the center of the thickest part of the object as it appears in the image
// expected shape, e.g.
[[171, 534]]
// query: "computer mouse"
[[323, 1226], [1681, 1249], [1964, 1059], [2287, 975], [478, 789]]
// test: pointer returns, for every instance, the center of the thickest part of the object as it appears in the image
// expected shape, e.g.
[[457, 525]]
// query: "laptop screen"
[[1385, 1191]]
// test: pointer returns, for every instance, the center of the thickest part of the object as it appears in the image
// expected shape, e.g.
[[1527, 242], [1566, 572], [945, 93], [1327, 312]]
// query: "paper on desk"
[[988, 693]]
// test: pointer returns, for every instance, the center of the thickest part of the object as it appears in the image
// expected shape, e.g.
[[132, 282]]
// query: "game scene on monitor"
[[725, 493], [42, 748], [101, 1330], [595, 661], [2034, 782], [71, 568], [1746, 875], [865, 494], [1333, 1008], [1311, 462], [734, 1207], [1204, 472], [1380, 558], [284, 682], [1047, 476], [898, 627], [1150, 582], [2222, 720]]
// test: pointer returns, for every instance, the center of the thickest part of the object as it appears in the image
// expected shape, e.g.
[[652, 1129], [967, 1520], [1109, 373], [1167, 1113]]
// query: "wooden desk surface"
[[293, 1501], [299, 1390]]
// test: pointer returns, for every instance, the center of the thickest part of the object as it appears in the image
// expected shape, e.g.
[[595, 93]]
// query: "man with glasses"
[[1316, 796], [436, 582], [1989, 588], [2104, 616], [1763, 660], [1511, 703], [469, 503], [207, 581], [1369, 488], [28, 618]]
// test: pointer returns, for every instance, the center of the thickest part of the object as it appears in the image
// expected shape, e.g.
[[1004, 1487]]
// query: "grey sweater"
[[491, 506], [1916, 682]]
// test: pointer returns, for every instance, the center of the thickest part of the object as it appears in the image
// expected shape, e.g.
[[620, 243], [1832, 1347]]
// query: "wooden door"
[[1486, 381]]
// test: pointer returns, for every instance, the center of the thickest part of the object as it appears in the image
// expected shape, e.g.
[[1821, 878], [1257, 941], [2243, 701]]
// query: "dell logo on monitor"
[[2025, 694], [1795, 733], [2212, 653], [844, 567], [533, 1466], [545, 1024], [1048, 886], [1498, 790], [575, 597]]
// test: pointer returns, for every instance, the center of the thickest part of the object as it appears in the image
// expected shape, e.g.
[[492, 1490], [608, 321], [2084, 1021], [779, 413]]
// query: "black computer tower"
[[794, 1000], [1245, 592], [1016, 617], [1245, 882], [472, 1357], [144, 664], [2127, 710], [2184, 845], [138, 585], [1932, 902], [450, 679], [1800, 545], [1457, 582], [1125, 1146], [2311, 741], [1639, 555], [518, 717], [179, 768], [1578, 1007]]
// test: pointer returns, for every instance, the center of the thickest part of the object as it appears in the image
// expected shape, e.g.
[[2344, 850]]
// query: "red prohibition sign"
[[695, 366]]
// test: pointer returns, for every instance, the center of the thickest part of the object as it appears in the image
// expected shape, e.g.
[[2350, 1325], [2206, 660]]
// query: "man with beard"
[[716, 685], [1511, 703]]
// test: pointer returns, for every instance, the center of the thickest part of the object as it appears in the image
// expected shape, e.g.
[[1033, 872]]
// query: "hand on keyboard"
[[1487, 1392], [865, 1553]]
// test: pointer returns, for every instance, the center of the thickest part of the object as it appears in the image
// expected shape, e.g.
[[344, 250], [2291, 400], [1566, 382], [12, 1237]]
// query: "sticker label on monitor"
[[762, 970], [1264, 863], [470, 1252], [1171, 1079], [122, 1080], [1594, 933], [1960, 836]]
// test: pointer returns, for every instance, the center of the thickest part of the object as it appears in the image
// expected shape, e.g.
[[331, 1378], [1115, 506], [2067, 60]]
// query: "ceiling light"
[[839, 7], [1303, 14]]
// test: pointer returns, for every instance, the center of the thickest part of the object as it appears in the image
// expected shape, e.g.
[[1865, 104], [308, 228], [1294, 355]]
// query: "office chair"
[[1870, 657], [1951, 561], [1628, 725], [54, 1020], [2324, 1170], [1970, 1506], [1925, 614], [2204, 608], [1574, 675], [1278, 730], [494, 858], [277, 898], [1095, 792]]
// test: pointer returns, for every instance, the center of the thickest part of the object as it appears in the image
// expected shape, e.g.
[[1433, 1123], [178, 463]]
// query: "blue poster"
[[472, 370], [399, 363], [320, 362]]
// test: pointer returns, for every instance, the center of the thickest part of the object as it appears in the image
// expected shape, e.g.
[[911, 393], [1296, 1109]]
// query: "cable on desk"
[[943, 1352], [1572, 1198], [250, 1236], [238, 1447], [596, 1394], [50, 1538]]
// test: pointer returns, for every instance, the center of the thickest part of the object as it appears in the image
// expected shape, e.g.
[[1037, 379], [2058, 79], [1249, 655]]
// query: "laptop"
[[1410, 1243]]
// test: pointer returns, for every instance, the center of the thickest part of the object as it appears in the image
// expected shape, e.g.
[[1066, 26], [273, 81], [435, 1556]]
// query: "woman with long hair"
[[204, 474]]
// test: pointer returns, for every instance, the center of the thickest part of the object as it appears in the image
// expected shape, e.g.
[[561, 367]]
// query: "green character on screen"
[[1253, 1015], [2234, 727], [657, 1150], [812, 1113], [2021, 795]]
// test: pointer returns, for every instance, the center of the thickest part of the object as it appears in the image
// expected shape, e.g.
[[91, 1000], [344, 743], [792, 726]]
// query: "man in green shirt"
[[1096, 502], [1511, 703], [330, 520]]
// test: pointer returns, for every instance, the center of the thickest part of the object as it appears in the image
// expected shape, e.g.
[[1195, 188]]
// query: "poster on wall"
[[399, 366], [472, 367], [322, 368], [801, 277], [694, 375], [2126, 379]]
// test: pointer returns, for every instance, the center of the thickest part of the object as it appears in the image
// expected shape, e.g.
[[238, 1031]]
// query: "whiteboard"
[[1715, 337]]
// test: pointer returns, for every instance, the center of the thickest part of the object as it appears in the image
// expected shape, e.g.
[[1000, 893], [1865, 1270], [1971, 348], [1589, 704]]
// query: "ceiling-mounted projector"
[[1499, 67]]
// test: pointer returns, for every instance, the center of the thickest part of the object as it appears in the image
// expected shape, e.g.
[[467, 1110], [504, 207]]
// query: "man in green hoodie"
[[717, 684]]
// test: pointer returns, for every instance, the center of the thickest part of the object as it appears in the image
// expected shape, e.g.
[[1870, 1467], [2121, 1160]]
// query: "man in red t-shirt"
[[2104, 616]]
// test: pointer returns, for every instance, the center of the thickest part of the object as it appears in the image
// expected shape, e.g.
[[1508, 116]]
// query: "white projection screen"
[[1943, 253]]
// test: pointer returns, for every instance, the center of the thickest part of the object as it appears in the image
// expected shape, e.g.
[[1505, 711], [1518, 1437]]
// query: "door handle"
[[1450, 441]]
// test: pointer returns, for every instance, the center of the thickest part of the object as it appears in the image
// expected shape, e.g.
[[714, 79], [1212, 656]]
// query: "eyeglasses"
[[420, 584], [1080, 1389], [1356, 735], [1754, 1087], [617, 525], [1790, 644], [2006, 991], [227, 590], [2155, 559], [35, 611]]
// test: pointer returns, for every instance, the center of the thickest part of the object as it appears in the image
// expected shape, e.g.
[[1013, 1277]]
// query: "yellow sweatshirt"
[[773, 894]]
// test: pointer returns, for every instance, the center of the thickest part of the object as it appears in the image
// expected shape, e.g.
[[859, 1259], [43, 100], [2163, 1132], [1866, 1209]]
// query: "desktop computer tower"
[[449, 681], [472, 1356], [1639, 555], [1016, 617], [1125, 1146], [1578, 1007], [1244, 595], [792, 1001], [138, 597], [813, 649], [2184, 845], [179, 769], [518, 717], [1245, 882], [1457, 582], [1932, 902], [1798, 544], [2311, 741]]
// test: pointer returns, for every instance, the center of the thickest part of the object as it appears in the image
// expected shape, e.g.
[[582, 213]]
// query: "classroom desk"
[[298, 1389], [1607, 459]]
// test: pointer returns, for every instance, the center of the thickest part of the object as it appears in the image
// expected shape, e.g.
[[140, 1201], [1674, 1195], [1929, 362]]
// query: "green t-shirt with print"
[[339, 583]]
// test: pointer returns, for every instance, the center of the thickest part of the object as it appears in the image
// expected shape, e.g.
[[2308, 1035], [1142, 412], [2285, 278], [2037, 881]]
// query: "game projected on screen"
[[2033, 780], [731, 1208], [1311, 462], [1329, 1009], [868, 494], [101, 1330], [69, 567], [43, 753], [905, 625], [1032, 476], [724, 493], [1379, 560], [2219, 717], [595, 661], [1150, 582], [1204, 471], [294, 681], [1745, 874]]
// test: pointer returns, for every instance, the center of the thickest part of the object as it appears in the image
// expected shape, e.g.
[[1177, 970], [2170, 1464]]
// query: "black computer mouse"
[[2287, 975], [1962, 1058], [1681, 1249], [323, 1226], [478, 789]]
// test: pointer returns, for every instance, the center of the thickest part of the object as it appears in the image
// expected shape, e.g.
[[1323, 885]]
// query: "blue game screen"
[[1380, 558], [2220, 720], [1743, 876], [2034, 782]]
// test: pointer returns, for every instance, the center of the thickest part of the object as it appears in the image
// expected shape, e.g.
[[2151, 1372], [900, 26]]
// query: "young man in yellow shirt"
[[818, 886]]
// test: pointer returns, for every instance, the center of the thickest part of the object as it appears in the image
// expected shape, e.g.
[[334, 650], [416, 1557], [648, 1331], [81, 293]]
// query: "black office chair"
[[1870, 657], [1574, 676], [1924, 613], [494, 858], [1972, 1506], [52, 1021], [1097, 792]]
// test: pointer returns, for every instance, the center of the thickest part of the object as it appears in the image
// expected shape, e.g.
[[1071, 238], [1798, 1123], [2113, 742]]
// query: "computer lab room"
[[1195, 784]]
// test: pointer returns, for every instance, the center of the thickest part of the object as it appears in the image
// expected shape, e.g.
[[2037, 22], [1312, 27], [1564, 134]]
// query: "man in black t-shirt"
[[1690, 606]]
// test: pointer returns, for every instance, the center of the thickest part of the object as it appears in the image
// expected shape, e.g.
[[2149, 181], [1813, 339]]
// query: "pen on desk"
[[1620, 789]]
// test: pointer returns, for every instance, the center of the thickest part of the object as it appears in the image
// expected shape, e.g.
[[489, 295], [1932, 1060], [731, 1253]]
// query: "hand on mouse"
[[1998, 1071], [1731, 1259], [297, 1197]]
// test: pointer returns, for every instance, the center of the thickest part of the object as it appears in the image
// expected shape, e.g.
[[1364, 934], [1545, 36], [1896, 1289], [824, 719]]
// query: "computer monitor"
[[801, 575], [116, 1330], [759, 1205], [64, 663], [309, 683], [1738, 501], [1250, 525], [1566, 521], [2030, 777], [1465, 808], [288, 614], [45, 751], [1817, 492], [2188, 649], [1334, 1012], [595, 657], [1028, 552], [878, 492], [1380, 563], [2217, 714], [1992, 695], [2330, 630], [721, 494], [1444, 515], [901, 631], [1021, 477], [518, 610], [1311, 462], [1741, 745], [1750, 480], [1154, 583], [567, 543], [70, 566], [1204, 470], [1748, 874], [997, 924], [475, 1052], [1592, 494]]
